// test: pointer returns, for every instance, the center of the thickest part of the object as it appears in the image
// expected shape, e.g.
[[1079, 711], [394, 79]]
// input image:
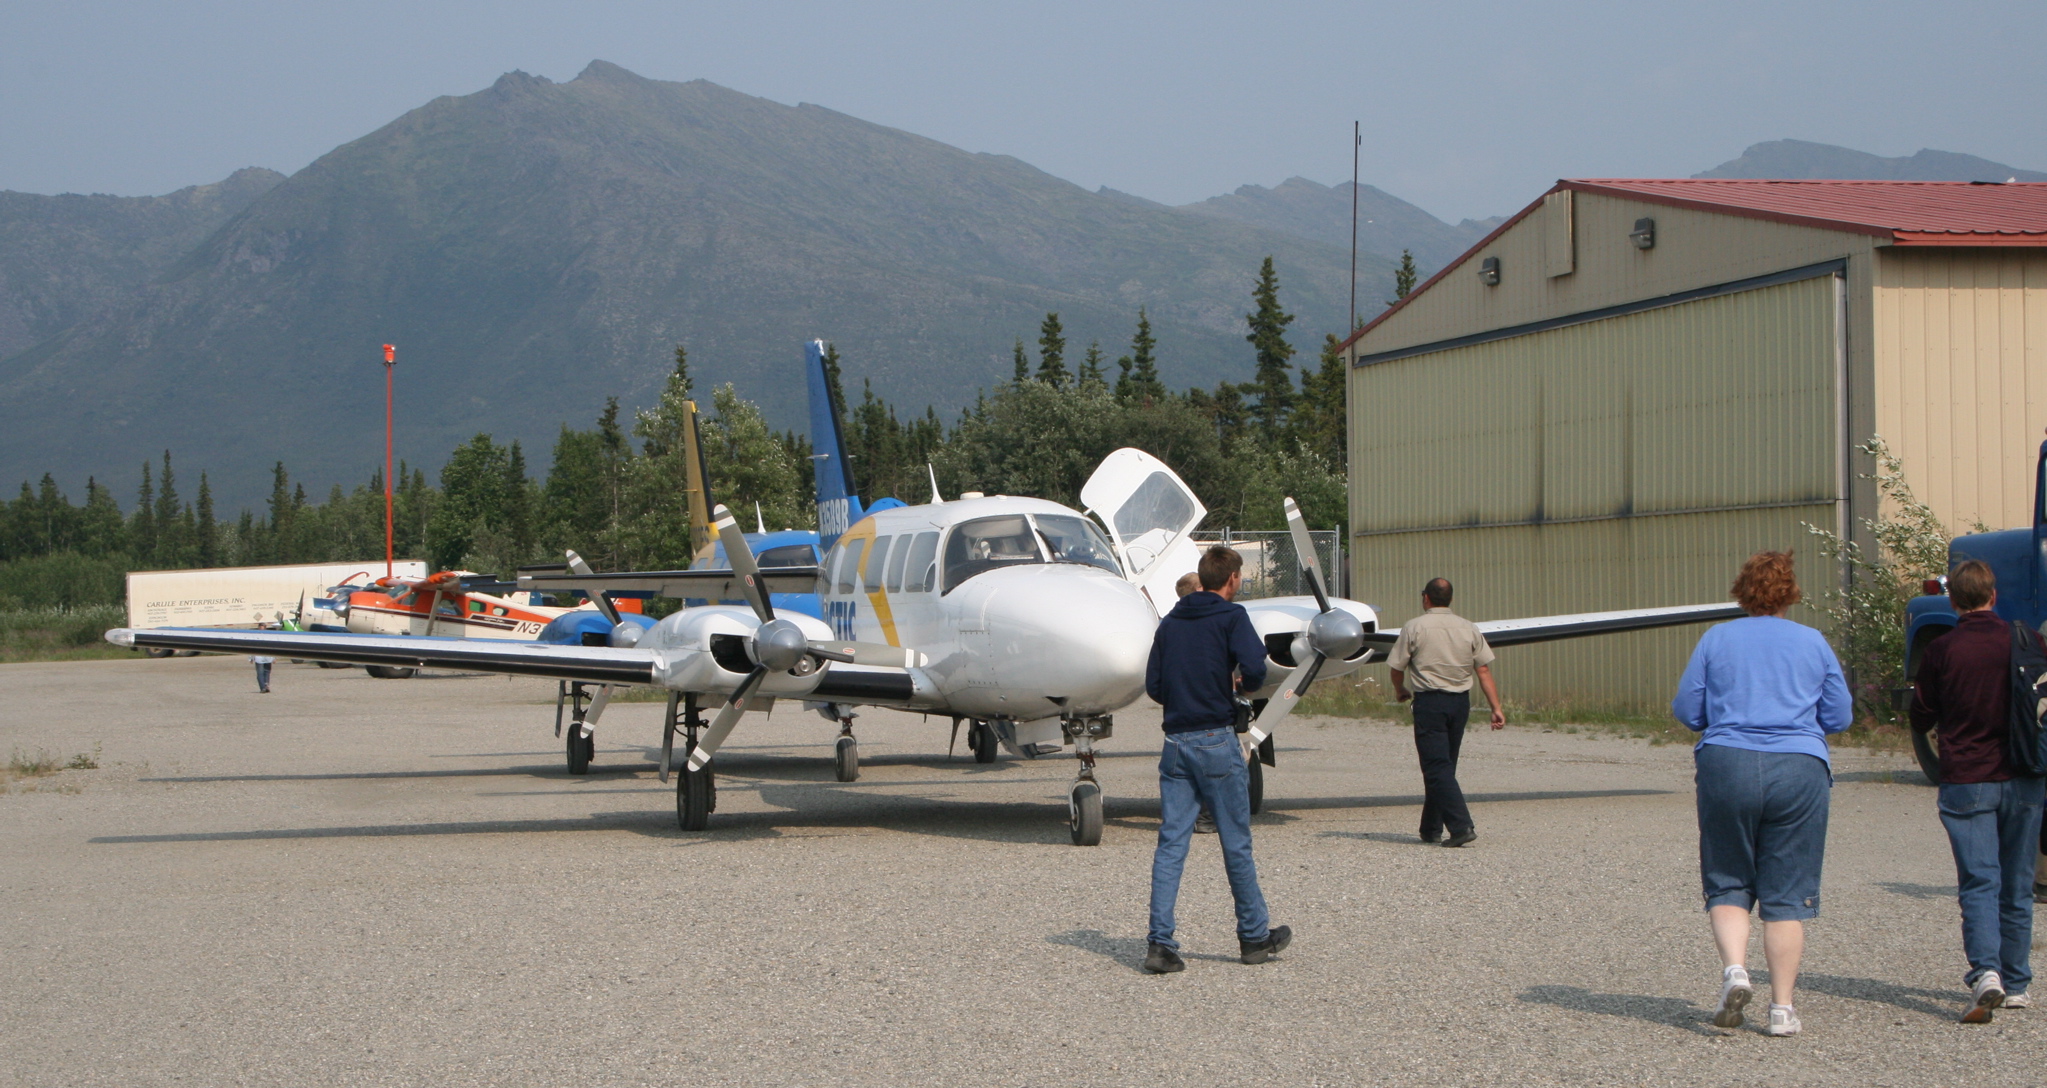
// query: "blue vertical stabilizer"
[[837, 505]]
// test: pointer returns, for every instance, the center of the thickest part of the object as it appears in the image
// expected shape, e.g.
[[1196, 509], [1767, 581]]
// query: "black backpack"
[[2028, 701]]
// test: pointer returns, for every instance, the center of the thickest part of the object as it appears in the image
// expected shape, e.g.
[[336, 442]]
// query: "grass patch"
[[61, 634], [22, 763]]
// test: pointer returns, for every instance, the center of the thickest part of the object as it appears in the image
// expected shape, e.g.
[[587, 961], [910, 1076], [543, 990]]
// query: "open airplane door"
[[1151, 515]]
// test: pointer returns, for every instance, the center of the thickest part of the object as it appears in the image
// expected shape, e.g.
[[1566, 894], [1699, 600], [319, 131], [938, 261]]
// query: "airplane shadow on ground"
[[802, 807], [1128, 951], [1918, 891], [1671, 1011], [1944, 1004]]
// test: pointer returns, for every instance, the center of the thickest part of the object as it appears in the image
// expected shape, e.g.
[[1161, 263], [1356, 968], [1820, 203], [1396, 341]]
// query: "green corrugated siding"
[[1472, 463]]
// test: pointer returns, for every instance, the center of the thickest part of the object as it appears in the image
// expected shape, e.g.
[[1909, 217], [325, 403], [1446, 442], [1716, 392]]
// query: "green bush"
[[65, 580]]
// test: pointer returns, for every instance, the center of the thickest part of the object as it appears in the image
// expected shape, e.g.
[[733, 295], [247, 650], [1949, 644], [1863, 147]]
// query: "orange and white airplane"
[[447, 606]]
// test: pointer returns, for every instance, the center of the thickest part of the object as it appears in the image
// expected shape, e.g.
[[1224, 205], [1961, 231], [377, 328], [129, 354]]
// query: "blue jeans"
[[1994, 828], [1197, 770], [262, 676], [1762, 830]]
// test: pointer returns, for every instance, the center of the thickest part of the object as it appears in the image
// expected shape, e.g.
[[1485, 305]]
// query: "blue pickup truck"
[[2019, 559]]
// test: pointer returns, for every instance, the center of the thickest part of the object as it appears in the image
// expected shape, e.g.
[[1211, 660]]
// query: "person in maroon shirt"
[[1992, 814]]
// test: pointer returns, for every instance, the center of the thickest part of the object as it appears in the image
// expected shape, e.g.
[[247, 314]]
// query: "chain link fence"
[[1272, 566]]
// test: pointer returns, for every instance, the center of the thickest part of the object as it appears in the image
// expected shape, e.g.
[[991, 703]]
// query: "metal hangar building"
[[1632, 385]]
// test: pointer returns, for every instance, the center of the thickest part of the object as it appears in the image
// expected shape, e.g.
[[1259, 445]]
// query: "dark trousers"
[[1439, 718]]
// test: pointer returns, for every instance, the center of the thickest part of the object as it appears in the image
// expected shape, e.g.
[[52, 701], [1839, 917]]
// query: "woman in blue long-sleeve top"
[[1763, 692]]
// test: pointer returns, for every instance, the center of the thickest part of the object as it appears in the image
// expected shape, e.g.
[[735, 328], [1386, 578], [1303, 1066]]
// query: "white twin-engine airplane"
[[1020, 617]]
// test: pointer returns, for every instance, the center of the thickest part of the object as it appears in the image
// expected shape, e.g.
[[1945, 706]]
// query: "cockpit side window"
[[1076, 540], [788, 555], [921, 572], [986, 544], [877, 561]]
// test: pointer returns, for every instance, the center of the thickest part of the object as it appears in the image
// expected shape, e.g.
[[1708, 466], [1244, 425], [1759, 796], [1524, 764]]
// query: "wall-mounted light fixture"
[[1644, 234], [1489, 272]]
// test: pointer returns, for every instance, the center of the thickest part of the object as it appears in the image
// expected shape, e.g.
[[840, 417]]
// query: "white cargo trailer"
[[242, 596]]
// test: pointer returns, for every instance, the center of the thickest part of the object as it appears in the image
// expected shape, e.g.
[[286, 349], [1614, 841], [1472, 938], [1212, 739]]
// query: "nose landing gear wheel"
[[981, 738], [696, 795], [1084, 811], [581, 749], [848, 764], [1257, 786]]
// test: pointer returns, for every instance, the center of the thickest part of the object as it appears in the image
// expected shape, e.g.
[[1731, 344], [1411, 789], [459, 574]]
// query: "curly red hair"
[[1767, 585]]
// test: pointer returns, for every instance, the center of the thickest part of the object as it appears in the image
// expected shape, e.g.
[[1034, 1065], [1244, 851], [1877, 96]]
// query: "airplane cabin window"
[[476, 606], [1152, 518], [920, 572], [986, 544], [848, 563], [788, 555], [1076, 540], [895, 563], [877, 559]]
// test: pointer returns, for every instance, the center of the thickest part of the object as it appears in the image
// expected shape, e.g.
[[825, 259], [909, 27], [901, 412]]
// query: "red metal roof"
[[1907, 213]]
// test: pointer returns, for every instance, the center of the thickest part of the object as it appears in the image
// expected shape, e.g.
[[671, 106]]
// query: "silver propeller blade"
[[741, 558], [602, 602], [1305, 546], [721, 726], [1283, 701]]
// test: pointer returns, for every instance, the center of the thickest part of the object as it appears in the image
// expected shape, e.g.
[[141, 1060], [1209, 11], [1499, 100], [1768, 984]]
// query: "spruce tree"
[[1091, 366], [1023, 365], [100, 528], [142, 525], [1403, 279], [833, 381], [1275, 385], [1319, 422], [207, 532], [1052, 352], [281, 545], [1139, 381], [170, 537]]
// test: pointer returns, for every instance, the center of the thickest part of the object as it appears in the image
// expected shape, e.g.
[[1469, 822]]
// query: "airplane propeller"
[[777, 645], [1332, 633]]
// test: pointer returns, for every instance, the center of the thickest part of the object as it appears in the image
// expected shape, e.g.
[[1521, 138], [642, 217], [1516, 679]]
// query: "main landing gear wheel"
[[1257, 786], [582, 749], [696, 797], [1929, 760], [981, 738], [1084, 811], [848, 763], [390, 672]]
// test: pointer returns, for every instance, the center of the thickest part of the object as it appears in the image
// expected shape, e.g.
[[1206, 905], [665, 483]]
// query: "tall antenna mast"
[[1357, 140]]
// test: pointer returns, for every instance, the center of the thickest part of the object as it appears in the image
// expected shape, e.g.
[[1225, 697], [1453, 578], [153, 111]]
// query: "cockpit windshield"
[[986, 544], [1076, 540], [1010, 540]]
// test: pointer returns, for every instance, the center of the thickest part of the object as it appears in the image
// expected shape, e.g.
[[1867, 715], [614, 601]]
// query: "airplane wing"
[[1551, 628], [714, 585], [594, 664]]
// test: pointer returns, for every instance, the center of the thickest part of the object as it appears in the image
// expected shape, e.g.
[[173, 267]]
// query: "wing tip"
[[121, 636]]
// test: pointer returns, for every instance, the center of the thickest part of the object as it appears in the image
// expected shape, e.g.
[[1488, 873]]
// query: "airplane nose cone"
[[1073, 634]]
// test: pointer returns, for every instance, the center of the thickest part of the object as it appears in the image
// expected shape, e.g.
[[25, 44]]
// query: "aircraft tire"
[[334, 664], [160, 651], [1084, 811], [390, 672], [1929, 760], [1257, 786], [694, 798], [981, 739], [582, 750], [848, 761]]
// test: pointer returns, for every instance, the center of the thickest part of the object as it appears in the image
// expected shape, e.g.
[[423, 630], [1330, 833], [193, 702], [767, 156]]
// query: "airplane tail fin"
[[837, 505]]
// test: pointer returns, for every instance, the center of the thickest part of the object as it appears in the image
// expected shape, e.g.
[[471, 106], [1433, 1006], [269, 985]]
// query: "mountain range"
[[536, 247]]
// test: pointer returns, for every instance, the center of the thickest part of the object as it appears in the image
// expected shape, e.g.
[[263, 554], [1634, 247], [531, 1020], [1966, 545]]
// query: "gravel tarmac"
[[356, 881]]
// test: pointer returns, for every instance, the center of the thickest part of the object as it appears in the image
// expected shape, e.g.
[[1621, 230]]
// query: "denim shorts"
[[1762, 829]]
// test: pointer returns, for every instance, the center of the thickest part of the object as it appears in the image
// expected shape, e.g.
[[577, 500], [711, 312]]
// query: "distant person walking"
[[262, 663], [1204, 650], [1990, 808], [1763, 692], [1441, 653]]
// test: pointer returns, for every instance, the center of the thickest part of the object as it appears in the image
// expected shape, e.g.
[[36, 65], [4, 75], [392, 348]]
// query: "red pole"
[[390, 359]]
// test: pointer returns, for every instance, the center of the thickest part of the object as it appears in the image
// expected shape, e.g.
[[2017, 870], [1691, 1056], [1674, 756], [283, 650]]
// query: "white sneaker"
[[1988, 994], [1783, 1021], [1735, 992], [2017, 1001]]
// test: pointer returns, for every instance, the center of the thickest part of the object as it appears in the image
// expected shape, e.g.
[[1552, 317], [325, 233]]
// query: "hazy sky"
[[1469, 109]]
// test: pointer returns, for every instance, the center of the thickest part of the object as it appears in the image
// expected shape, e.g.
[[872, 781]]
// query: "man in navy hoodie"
[[1205, 650]]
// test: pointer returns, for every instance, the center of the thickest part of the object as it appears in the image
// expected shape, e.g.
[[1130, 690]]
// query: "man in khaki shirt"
[[1443, 652]]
